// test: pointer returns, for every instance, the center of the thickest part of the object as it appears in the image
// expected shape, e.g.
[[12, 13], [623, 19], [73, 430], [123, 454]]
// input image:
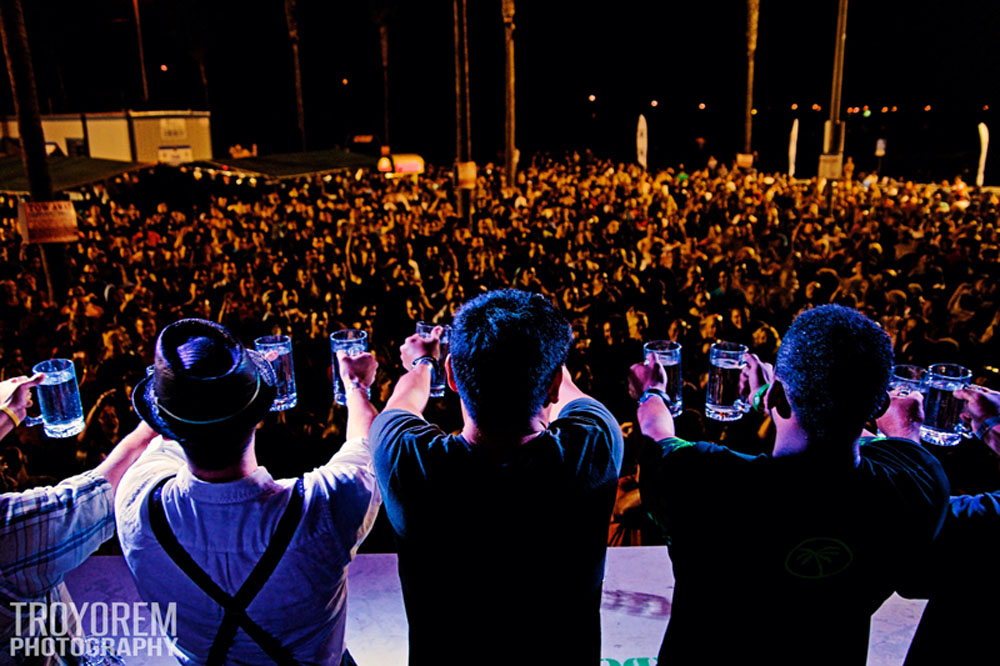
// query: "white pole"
[[793, 142], [984, 142]]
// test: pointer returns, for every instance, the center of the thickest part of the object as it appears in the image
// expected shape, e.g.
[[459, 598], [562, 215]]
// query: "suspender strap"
[[235, 616]]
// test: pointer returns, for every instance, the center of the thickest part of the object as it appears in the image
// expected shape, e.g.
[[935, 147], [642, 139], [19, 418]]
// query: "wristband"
[[650, 392], [984, 429], [354, 386], [757, 401], [429, 360], [10, 412]]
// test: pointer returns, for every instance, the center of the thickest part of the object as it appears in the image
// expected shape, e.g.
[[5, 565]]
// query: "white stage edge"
[[638, 586]]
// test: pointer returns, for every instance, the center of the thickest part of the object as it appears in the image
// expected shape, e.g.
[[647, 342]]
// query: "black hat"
[[203, 380]]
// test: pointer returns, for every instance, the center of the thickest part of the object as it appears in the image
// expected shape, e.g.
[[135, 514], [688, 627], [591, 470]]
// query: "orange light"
[[654, 103], [163, 68], [592, 98], [895, 109], [986, 107], [795, 107], [864, 108], [885, 109], [344, 81], [927, 108], [702, 106], [753, 112]]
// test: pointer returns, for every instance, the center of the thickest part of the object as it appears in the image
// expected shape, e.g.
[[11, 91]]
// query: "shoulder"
[[678, 450], [394, 423], [902, 457], [907, 474], [588, 421], [161, 459]]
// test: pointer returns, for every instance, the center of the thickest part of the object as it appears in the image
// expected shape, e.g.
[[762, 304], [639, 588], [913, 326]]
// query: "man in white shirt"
[[257, 567]]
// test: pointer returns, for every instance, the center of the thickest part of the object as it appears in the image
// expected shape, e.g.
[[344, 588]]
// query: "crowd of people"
[[787, 529], [692, 255]]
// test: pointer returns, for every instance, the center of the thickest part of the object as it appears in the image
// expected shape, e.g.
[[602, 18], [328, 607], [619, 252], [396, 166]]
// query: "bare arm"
[[125, 453], [414, 388], [653, 416], [15, 397]]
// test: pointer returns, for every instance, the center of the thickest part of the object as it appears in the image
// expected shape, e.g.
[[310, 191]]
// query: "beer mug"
[[722, 400], [668, 354], [942, 410], [907, 379], [424, 330], [277, 350], [58, 399], [350, 340]]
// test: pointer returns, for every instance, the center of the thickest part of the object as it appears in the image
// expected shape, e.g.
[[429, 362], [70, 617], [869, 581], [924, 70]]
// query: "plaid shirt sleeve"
[[47, 532]]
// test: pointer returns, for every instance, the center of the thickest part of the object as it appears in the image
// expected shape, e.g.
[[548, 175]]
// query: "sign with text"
[[175, 155], [48, 222], [831, 167], [172, 129], [466, 175]]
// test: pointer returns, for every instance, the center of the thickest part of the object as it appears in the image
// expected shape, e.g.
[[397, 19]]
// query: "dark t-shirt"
[[960, 577], [501, 553], [783, 560]]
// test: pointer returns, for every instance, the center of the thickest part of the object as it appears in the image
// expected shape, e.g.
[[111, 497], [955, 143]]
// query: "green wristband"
[[758, 398]]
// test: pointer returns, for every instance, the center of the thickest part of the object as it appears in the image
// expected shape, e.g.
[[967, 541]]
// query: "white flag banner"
[[984, 142], [793, 144], [641, 141]]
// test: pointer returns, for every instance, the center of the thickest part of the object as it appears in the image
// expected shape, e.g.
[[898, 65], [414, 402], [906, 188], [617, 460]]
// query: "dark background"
[[907, 53]]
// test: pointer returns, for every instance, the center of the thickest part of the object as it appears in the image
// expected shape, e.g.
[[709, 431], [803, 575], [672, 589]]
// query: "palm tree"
[[293, 37], [508, 23], [381, 16], [29, 125], [753, 15]]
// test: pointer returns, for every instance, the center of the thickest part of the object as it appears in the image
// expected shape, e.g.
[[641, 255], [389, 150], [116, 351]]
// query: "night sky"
[[904, 53]]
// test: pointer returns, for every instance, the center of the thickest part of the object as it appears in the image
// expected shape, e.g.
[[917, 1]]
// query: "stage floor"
[[638, 586]]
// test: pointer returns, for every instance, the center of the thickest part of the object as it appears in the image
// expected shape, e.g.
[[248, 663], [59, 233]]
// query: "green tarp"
[[66, 172], [297, 164]]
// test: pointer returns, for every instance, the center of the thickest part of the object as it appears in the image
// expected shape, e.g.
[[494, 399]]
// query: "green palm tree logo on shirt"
[[819, 557]]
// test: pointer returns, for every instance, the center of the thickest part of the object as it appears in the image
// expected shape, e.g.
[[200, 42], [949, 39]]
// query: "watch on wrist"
[[428, 360], [986, 426], [650, 392]]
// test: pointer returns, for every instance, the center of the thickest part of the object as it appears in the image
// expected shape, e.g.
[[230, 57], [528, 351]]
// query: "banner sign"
[[174, 155], [47, 222], [466, 175]]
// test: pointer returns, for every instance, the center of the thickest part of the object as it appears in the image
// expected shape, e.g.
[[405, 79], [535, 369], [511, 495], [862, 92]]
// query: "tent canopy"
[[290, 165], [67, 172]]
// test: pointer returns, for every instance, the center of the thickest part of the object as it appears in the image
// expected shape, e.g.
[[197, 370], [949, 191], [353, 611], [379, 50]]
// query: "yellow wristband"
[[10, 412]]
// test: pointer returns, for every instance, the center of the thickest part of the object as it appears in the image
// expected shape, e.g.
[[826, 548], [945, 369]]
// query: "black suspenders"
[[235, 607]]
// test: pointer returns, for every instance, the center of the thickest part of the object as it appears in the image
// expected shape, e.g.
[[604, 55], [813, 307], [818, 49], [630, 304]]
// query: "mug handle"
[[963, 428], [32, 421]]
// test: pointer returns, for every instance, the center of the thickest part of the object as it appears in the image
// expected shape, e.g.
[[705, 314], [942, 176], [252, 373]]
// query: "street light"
[[592, 98]]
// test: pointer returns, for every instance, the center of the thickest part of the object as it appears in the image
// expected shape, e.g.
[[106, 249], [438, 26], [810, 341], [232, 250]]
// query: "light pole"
[[465, 176], [753, 16], [831, 162], [510, 163]]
